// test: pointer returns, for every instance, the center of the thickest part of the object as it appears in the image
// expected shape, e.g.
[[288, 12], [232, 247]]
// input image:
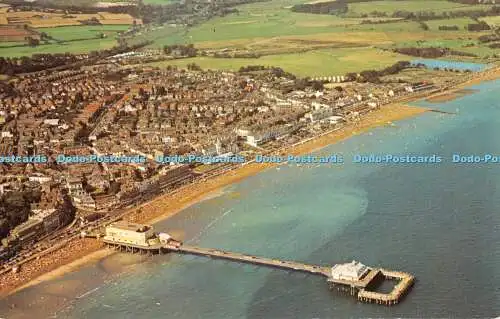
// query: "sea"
[[438, 221], [450, 64]]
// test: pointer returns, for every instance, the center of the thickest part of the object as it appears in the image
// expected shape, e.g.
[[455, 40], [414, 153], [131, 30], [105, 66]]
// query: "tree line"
[[472, 2], [330, 7], [276, 71], [480, 26], [431, 52], [373, 76], [448, 28], [432, 15], [44, 61], [180, 49], [187, 12]]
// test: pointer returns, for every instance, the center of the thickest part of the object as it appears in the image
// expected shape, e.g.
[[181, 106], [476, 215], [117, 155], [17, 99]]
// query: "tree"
[[32, 42], [317, 85]]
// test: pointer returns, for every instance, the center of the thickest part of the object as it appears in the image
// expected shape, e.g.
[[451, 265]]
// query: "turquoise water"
[[456, 65], [440, 222]]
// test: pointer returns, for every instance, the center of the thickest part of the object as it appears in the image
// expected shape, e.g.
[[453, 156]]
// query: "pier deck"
[[221, 254], [405, 282]]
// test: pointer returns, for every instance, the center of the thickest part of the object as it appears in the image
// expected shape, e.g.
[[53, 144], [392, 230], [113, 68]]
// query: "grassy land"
[[81, 3], [272, 29], [465, 45], [162, 35], [69, 47], [391, 6], [10, 44], [159, 2], [325, 62], [492, 20], [268, 23], [461, 23], [89, 43], [84, 32]]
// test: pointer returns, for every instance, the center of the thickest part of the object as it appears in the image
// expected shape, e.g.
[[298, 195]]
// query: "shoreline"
[[168, 205], [67, 259]]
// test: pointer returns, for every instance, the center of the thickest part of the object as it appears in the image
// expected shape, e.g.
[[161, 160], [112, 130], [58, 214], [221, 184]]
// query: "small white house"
[[352, 271]]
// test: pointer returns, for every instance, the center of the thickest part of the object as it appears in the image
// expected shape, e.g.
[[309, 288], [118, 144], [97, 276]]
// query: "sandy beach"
[[83, 251]]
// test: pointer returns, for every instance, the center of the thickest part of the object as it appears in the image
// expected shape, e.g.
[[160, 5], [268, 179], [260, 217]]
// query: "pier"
[[354, 278], [398, 292], [249, 259]]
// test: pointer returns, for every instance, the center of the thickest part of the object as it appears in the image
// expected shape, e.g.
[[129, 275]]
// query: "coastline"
[[83, 251], [67, 259]]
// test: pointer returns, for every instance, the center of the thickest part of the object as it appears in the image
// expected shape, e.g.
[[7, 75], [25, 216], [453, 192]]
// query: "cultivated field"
[[66, 32], [14, 33], [38, 19], [391, 6]]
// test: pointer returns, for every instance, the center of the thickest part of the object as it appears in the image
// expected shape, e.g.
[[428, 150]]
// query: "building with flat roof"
[[352, 271], [130, 233], [29, 230]]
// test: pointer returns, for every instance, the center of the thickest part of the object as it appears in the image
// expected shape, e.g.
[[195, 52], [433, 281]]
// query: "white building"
[[51, 122], [164, 238], [271, 134], [129, 233], [351, 271], [39, 178], [242, 132], [320, 114], [335, 119]]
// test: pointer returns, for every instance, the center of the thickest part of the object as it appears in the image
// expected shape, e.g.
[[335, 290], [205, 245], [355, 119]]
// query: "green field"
[[84, 32], [313, 63], [161, 36], [68, 47], [492, 20], [391, 6], [77, 3], [272, 29], [461, 23], [69, 36], [159, 2], [267, 22], [258, 20], [470, 46], [10, 44]]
